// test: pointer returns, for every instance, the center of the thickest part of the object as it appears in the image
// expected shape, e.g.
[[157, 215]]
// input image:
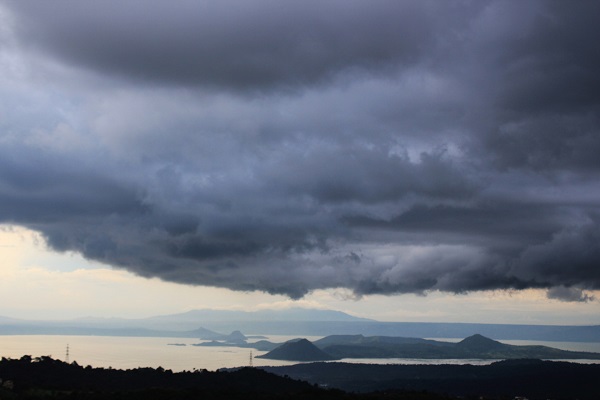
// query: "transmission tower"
[[250, 364], [67, 355]]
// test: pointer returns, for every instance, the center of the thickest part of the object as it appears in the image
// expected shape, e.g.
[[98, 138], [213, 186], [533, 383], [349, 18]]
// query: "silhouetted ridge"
[[533, 379], [53, 379], [298, 350]]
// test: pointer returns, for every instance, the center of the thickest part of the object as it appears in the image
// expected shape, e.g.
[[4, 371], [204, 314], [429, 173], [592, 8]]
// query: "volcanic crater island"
[[338, 347]]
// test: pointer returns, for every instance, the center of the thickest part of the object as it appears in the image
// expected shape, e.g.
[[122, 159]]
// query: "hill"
[[53, 379], [43, 377], [298, 350], [46, 378], [505, 379], [478, 342]]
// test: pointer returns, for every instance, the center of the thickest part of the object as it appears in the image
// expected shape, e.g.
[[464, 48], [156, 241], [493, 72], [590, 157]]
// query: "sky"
[[399, 160]]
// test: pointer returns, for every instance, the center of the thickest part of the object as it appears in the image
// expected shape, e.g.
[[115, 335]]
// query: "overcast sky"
[[386, 150]]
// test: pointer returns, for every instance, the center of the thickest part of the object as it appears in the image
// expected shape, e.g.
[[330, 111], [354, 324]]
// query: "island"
[[339, 347]]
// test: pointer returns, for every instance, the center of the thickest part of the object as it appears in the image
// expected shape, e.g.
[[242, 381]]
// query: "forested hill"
[[533, 379], [46, 378]]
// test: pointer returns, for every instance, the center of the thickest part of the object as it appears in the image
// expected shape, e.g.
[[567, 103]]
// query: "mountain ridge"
[[294, 322], [288, 314]]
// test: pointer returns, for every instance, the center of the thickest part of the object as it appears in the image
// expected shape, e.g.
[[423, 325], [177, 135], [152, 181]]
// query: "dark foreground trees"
[[46, 378], [532, 379]]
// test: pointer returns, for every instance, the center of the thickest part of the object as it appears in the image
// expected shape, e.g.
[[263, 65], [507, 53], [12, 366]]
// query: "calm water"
[[133, 352], [128, 352]]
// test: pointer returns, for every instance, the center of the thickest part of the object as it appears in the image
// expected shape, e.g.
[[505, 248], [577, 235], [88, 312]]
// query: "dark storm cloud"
[[37, 186], [509, 220], [384, 147], [551, 67], [370, 176], [236, 45]]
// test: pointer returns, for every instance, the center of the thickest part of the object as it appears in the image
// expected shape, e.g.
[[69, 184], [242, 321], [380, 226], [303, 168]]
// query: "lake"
[[133, 352]]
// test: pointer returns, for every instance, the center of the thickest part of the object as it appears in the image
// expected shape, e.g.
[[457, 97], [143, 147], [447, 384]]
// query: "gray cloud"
[[383, 147], [569, 294], [235, 45]]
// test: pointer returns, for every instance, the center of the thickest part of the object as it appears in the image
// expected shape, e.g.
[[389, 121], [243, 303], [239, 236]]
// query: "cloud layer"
[[386, 147]]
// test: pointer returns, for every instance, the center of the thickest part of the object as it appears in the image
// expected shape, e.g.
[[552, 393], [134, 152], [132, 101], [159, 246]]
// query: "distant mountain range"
[[206, 324], [190, 319], [357, 346], [290, 314]]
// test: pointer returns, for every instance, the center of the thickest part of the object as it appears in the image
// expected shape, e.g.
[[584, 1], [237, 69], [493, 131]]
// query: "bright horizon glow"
[[37, 283]]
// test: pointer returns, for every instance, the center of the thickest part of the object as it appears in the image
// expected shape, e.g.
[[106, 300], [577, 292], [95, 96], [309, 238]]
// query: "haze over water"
[[134, 352]]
